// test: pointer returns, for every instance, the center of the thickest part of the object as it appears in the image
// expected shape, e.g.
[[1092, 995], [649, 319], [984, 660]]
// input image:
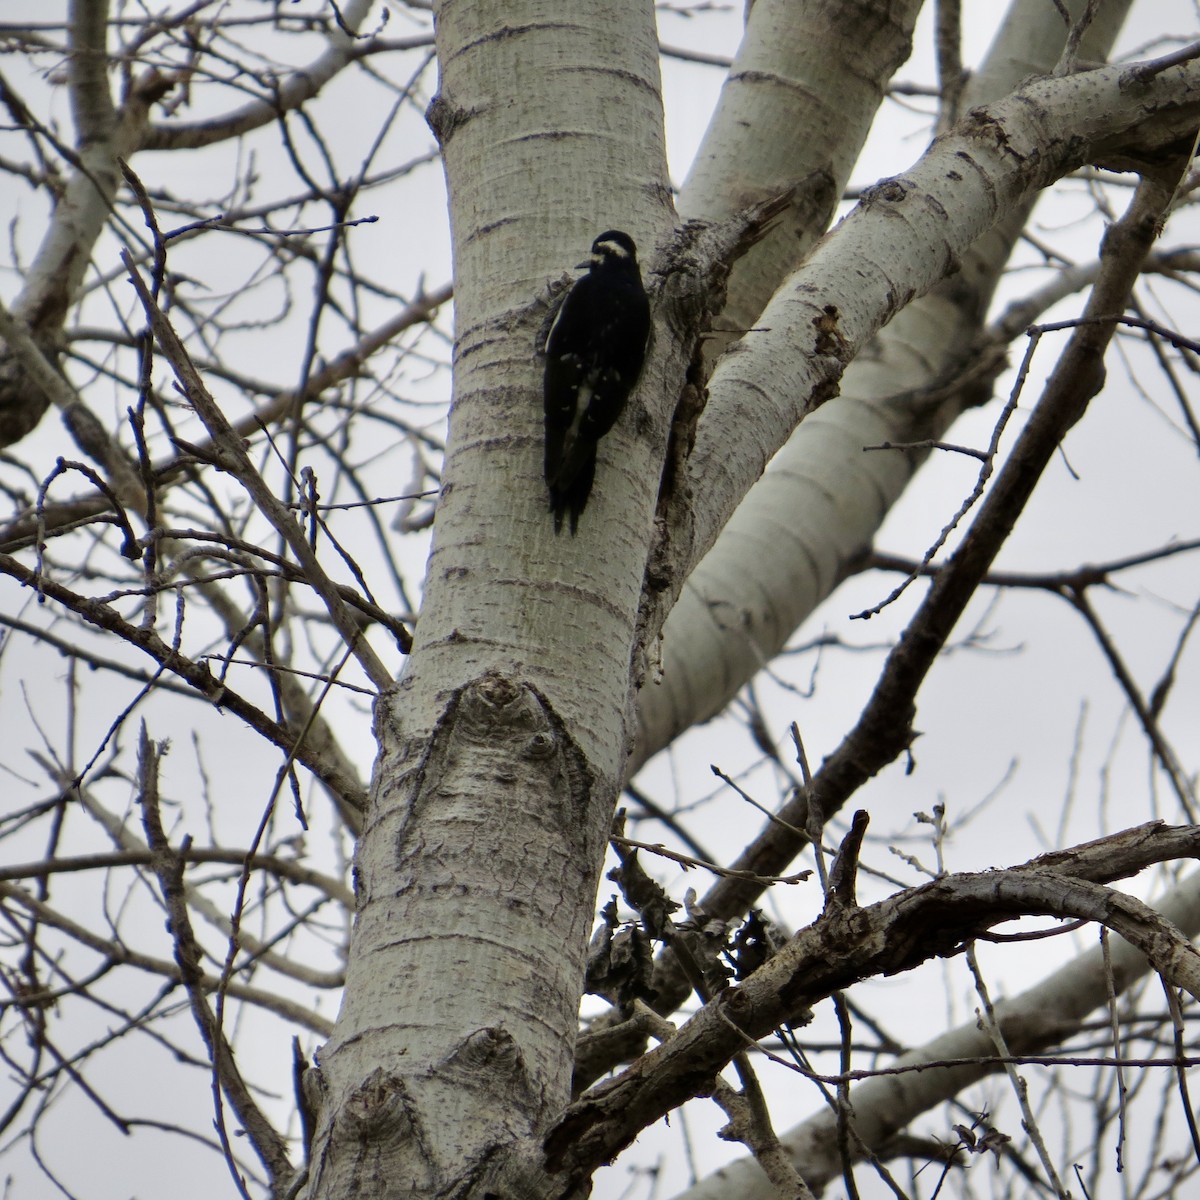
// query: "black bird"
[[594, 356]]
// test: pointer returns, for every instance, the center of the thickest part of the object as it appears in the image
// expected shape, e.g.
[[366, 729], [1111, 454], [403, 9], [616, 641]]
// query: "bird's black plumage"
[[594, 356]]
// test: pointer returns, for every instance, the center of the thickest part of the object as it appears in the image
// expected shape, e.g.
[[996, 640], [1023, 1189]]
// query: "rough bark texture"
[[478, 865]]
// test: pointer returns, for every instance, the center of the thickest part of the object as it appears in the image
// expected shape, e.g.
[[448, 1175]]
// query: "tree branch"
[[845, 946], [230, 455], [105, 617]]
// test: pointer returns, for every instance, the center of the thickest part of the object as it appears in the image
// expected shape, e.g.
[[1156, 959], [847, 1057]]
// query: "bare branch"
[[934, 920]]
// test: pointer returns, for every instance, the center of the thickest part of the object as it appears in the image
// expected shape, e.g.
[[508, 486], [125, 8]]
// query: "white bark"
[[499, 756], [499, 762], [795, 110], [906, 235], [501, 749], [819, 505]]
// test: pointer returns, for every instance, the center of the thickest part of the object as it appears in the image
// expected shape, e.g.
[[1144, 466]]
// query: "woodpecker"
[[594, 355]]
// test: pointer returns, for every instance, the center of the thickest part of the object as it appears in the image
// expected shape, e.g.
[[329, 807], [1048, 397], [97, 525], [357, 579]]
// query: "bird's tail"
[[571, 484]]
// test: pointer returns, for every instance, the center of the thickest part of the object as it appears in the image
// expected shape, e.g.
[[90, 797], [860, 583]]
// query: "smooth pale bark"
[[502, 745], [905, 236], [822, 500], [794, 113]]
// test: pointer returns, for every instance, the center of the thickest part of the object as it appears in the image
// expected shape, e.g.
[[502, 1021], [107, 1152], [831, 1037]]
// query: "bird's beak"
[[587, 262]]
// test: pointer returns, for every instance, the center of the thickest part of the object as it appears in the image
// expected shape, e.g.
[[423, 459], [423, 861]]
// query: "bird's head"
[[612, 249]]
